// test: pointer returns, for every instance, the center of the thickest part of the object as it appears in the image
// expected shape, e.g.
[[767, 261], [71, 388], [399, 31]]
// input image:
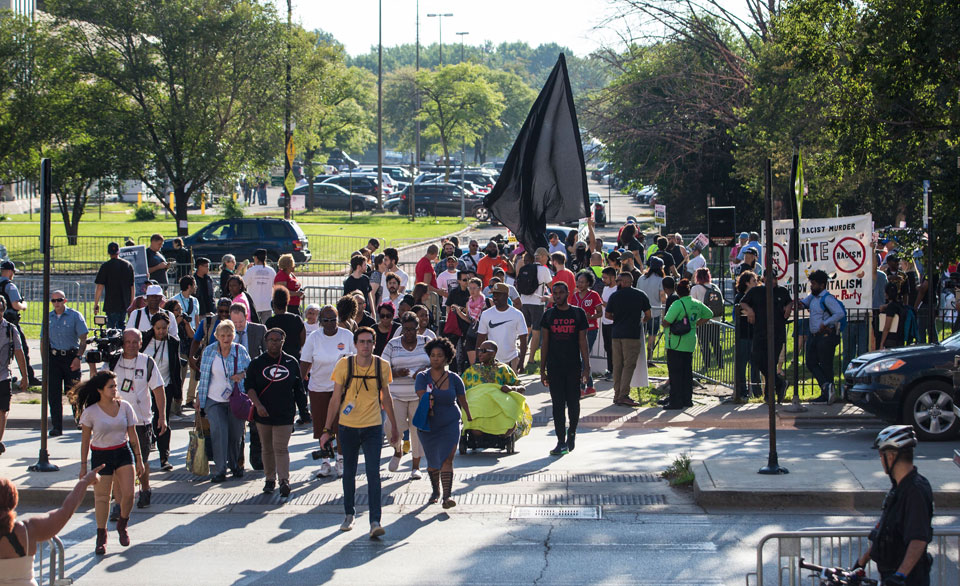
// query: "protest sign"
[[701, 242], [137, 256], [660, 215]]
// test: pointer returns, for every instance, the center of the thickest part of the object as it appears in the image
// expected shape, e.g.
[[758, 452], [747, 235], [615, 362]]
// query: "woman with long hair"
[[227, 265], [109, 432], [744, 331], [447, 397], [651, 283], [165, 352], [285, 277], [186, 332], [377, 282], [407, 358]]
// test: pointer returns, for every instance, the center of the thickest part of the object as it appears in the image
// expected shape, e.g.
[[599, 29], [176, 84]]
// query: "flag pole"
[[796, 175]]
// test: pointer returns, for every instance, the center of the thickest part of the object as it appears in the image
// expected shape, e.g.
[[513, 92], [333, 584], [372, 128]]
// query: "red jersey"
[[589, 304], [424, 272]]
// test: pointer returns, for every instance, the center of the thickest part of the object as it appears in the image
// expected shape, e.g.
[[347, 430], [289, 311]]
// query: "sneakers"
[[608, 376], [284, 488], [339, 468], [415, 474], [571, 440], [589, 392], [269, 486], [828, 390], [325, 470], [166, 466], [406, 447], [143, 501], [394, 464], [560, 450], [347, 524], [218, 478], [376, 530]]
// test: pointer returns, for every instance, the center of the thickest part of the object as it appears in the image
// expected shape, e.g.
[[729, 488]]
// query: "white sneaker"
[[394, 464], [415, 474], [339, 468], [347, 524], [376, 530], [325, 470]]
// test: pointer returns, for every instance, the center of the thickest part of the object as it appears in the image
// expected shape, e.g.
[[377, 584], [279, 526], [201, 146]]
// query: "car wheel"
[[929, 409], [422, 212], [482, 214], [357, 206]]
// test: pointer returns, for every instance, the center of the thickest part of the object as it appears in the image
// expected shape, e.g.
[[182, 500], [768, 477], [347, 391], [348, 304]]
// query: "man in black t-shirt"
[[204, 287], [156, 264], [358, 280], [669, 264], [629, 308], [114, 281], [754, 306], [564, 362]]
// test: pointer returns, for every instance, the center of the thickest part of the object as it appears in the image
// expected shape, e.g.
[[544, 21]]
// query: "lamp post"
[[416, 147], [439, 17], [288, 183], [461, 35], [380, 106]]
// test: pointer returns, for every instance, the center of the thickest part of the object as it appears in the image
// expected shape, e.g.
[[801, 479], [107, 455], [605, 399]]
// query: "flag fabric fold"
[[544, 177]]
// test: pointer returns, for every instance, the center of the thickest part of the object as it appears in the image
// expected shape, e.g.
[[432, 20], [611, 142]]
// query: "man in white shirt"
[[137, 378], [505, 325], [447, 279], [391, 258], [259, 282], [694, 261], [140, 318], [318, 357], [189, 305]]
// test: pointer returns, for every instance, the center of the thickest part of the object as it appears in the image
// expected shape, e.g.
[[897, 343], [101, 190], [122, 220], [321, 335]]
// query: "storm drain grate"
[[582, 513], [518, 501]]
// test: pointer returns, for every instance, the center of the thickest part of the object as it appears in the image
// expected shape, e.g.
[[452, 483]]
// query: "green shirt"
[[695, 311], [499, 373]]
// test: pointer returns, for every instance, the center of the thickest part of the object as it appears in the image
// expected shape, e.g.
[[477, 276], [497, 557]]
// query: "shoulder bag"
[[240, 404]]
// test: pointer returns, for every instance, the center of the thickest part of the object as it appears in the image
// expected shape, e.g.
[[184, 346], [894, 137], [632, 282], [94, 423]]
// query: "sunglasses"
[[386, 316], [328, 319], [59, 300]]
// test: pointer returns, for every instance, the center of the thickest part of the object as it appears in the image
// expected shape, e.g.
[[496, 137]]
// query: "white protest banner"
[[583, 229], [660, 215], [298, 202], [841, 247], [701, 242]]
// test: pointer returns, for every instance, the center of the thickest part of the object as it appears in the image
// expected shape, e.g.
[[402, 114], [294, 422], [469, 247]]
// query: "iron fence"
[[52, 573], [89, 248], [832, 547], [31, 289]]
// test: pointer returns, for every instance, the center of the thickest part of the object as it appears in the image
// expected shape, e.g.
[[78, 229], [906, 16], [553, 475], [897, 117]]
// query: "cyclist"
[[898, 544]]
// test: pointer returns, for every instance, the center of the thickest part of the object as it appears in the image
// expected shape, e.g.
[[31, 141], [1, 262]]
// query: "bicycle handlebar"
[[839, 575]]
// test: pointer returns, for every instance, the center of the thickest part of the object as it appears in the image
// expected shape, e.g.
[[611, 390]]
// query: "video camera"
[[108, 341]]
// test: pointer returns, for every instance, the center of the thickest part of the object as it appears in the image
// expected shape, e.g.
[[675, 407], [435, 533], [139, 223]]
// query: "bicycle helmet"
[[896, 437]]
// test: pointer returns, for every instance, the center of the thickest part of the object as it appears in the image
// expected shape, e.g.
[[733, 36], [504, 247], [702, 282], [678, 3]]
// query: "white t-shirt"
[[323, 352], [543, 278], [503, 327], [404, 278], [140, 320], [157, 349], [607, 292], [221, 387], [447, 281], [136, 379], [311, 327], [694, 263], [413, 360], [652, 285], [259, 282], [106, 431]]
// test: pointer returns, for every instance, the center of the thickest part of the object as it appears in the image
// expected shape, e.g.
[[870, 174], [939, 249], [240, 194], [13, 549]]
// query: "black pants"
[[256, 455], [606, 332], [821, 350], [759, 358], [163, 439], [61, 378], [565, 396], [680, 370]]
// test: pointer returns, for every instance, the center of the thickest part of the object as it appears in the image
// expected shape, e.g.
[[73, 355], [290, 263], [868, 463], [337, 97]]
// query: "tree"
[[458, 104], [201, 78], [20, 84]]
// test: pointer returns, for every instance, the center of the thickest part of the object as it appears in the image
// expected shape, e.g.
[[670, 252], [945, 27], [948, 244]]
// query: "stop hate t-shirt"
[[564, 329]]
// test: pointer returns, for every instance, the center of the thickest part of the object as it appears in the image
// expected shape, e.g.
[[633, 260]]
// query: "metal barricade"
[[321, 294], [31, 289], [841, 548], [55, 566], [83, 247], [334, 248], [714, 360]]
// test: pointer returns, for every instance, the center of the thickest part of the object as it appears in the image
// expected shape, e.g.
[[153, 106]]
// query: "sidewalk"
[[815, 483]]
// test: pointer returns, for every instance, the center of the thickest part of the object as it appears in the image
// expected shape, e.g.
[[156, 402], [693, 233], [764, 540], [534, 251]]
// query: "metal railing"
[[55, 567], [31, 289], [320, 294], [841, 548], [83, 247]]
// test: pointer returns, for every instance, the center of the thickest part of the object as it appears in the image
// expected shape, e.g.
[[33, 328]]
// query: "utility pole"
[[288, 181], [412, 208], [439, 17], [379, 105], [461, 35]]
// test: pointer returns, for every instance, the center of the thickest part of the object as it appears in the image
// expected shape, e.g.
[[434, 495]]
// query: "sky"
[[354, 22]]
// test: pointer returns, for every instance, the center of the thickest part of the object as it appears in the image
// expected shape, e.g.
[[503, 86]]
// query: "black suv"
[[330, 196], [913, 385], [441, 199], [241, 237]]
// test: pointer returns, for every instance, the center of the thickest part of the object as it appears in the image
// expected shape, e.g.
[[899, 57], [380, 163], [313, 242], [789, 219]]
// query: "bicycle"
[[839, 576]]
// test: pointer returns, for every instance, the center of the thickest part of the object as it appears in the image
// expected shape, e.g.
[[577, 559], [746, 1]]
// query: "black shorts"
[[5, 395], [144, 436], [111, 459]]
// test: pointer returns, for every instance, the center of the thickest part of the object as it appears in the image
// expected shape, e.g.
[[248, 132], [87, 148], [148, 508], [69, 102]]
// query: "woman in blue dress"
[[447, 397]]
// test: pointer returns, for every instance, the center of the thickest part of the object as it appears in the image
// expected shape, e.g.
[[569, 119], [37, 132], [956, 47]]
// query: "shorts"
[[5, 395], [652, 326], [532, 314], [319, 402], [111, 459], [144, 436], [803, 326]]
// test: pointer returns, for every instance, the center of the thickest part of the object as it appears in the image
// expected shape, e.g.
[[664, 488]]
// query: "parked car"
[[442, 199], [598, 208], [598, 173], [913, 385], [364, 184], [330, 196], [241, 237]]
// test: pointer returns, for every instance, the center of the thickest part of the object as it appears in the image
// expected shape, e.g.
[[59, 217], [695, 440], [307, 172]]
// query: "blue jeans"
[[351, 439], [117, 319], [226, 433], [591, 338]]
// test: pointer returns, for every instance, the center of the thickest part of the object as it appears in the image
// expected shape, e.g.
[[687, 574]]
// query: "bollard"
[[139, 198], [234, 196], [203, 206]]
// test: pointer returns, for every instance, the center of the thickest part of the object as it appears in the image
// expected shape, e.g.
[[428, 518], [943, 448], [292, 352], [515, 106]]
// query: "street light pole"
[[287, 134], [412, 207], [379, 105], [461, 35], [439, 17]]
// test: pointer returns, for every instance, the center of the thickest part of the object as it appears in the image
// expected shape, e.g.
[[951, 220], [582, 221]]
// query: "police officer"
[[67, 342], [15, 304], [898, 544]]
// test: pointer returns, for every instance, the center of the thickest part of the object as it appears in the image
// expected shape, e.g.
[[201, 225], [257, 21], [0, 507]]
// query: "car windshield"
[[594, 198], [953, 342]]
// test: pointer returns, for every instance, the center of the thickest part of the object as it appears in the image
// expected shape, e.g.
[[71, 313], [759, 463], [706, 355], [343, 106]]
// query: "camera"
[[108, 342]]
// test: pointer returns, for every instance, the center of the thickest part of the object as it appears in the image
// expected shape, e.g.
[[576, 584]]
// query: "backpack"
[[10, 334], [843, 318], [350, 375], [714, 300], [11, 314], [527, 280]]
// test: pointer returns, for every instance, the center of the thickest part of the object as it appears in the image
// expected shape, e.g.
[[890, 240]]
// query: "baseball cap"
[[744, 235], [750, 250], [8, 265], [499, 288], [113, 248], [631, 220], [154, 290]]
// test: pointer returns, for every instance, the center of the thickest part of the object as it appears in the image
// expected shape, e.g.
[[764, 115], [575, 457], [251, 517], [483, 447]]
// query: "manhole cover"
[[555, 513]]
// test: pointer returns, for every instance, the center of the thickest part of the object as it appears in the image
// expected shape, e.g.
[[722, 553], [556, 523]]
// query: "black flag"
[[544, 178]]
